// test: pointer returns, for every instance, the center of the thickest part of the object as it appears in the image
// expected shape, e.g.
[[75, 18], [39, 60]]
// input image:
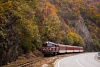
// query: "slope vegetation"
[[26, 24]]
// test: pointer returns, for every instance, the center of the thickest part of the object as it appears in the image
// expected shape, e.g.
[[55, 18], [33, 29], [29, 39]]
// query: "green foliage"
[[64, 1], [49, 23], [68, 40], [26, 24], [96, 44], [33, 4], [98, 5], [26, 44], [22, 15], [37, 21], [92, 20], [74, 39], [91, 14], [26, 27], [3, 35]]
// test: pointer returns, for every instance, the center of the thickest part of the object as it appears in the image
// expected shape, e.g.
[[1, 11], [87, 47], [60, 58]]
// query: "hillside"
[[26, 24]]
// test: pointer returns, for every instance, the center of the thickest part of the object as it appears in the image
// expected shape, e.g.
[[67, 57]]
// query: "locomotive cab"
[[49, 48], [47, 44]]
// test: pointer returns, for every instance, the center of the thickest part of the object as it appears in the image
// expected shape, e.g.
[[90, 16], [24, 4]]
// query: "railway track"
[[47, 59], [29, 63]]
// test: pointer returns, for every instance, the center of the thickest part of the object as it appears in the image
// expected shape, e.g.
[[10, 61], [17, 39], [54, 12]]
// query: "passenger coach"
[[50, 48]]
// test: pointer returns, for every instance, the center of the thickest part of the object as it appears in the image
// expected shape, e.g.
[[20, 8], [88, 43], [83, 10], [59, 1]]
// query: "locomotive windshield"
[[49, 45]]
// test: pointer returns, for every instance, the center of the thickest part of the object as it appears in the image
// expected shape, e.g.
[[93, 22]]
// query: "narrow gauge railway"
[[50, 48]]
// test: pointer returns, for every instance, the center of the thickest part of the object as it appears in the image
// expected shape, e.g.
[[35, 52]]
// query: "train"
[[50, 48]]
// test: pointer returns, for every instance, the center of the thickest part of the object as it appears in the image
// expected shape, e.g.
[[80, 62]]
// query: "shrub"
[[26, 45], [96, 44], [74, 39]]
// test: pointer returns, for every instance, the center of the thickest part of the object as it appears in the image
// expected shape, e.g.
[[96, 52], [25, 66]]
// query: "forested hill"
[[26, 24]]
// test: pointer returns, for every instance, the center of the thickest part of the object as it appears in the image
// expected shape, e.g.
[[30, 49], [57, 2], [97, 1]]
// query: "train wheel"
[[58, 53], [45, 55], [55, 53]]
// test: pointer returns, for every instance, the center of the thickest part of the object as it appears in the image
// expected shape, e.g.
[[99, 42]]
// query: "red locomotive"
[[53, 48]]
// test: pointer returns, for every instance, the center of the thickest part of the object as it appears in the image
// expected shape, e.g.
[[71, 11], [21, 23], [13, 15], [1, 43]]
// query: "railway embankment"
[[37, 61]]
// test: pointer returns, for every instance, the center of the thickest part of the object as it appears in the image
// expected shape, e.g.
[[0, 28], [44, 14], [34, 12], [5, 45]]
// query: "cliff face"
[[25, 25], [78, 15], [83, 31]]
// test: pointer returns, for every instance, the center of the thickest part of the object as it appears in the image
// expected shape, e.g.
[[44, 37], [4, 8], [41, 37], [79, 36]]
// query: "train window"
[[49, 45]]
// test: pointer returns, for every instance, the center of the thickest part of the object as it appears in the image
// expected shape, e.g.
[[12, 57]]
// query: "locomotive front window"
[[49, 45]]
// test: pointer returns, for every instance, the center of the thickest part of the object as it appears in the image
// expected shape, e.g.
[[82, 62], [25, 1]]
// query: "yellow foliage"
[[9, 2], [74, 39], [50, 8]]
